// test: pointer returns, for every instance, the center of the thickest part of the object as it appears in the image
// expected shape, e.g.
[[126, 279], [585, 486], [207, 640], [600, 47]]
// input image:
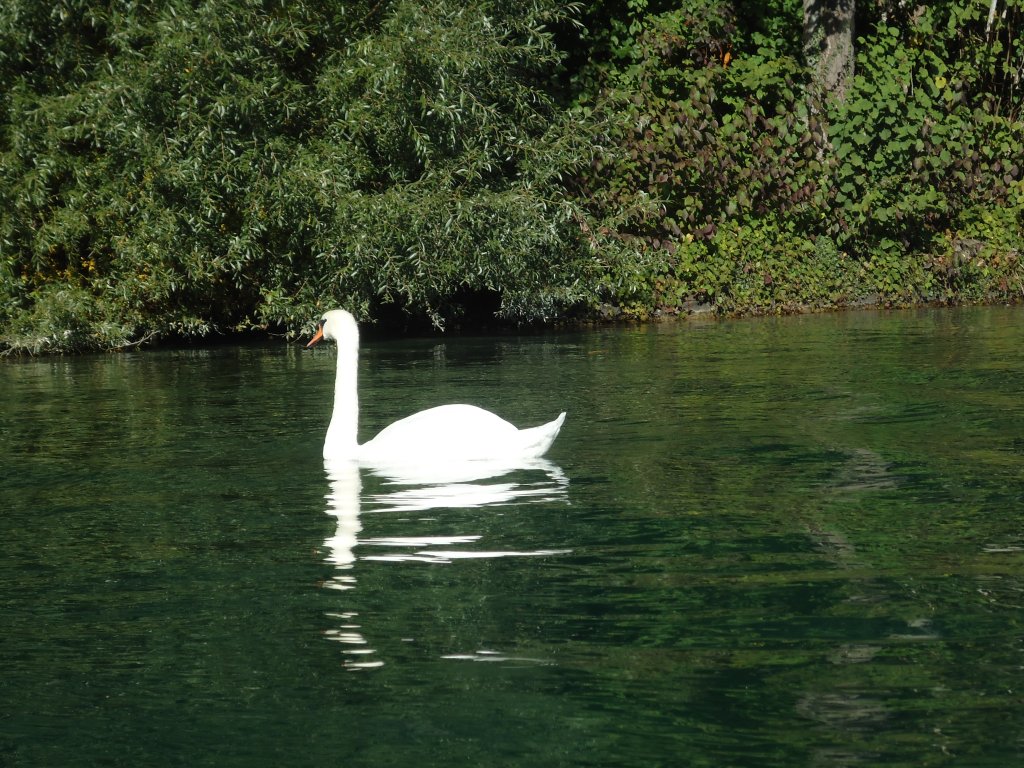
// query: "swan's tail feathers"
[[537, 440]]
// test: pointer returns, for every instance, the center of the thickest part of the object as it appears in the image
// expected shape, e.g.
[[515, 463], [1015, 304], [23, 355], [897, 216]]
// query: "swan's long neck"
[[341, 442]]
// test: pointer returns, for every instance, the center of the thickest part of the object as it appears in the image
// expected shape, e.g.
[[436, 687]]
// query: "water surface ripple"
[[775, 542]]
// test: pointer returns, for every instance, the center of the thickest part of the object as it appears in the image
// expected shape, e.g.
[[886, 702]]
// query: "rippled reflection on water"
[[775, 542], [469, 485]]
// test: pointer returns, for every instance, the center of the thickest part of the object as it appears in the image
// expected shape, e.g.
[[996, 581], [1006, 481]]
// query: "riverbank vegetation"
[[176, 169]]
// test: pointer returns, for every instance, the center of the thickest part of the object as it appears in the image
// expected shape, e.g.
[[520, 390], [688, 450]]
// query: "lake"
[[767, 542]]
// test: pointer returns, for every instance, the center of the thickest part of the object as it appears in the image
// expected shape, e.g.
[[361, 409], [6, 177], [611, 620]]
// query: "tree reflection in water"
[[460, 485]]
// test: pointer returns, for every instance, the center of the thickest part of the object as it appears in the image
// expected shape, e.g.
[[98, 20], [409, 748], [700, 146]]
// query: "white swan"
[[432, 437]]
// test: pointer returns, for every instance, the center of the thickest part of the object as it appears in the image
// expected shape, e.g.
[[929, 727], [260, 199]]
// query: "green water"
[[759, 543]]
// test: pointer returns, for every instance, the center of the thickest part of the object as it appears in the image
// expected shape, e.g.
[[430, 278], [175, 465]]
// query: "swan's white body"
[[431, 437]]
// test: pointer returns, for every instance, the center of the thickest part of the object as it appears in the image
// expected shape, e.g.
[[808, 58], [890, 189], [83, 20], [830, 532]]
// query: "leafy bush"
[[742, 192], [439, 171], [181, 169]]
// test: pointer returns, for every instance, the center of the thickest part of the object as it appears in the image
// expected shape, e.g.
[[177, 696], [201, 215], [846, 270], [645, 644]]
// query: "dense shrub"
[[438, 171], [749, 195], [171, 168], [176, 168], [133, 139]]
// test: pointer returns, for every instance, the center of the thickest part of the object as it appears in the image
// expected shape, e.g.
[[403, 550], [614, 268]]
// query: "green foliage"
[[740, 191], [69, 317], [127, 179], [446, 158], [726, 148], [180, 169], [919, 141], [982, 253]]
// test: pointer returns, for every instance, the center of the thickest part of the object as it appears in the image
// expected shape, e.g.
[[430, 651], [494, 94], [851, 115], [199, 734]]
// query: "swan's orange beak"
[[317, 338]]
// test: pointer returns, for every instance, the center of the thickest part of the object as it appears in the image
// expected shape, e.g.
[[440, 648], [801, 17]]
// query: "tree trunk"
[[828, 43]]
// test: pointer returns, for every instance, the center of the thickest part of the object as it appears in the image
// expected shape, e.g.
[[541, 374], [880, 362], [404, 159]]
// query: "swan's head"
[[337, 325]]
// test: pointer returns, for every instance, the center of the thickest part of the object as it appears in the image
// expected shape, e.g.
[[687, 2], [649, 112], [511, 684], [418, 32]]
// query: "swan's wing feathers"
[[460, 431]]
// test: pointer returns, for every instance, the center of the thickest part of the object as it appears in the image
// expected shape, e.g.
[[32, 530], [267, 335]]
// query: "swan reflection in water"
[[458, 485]]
